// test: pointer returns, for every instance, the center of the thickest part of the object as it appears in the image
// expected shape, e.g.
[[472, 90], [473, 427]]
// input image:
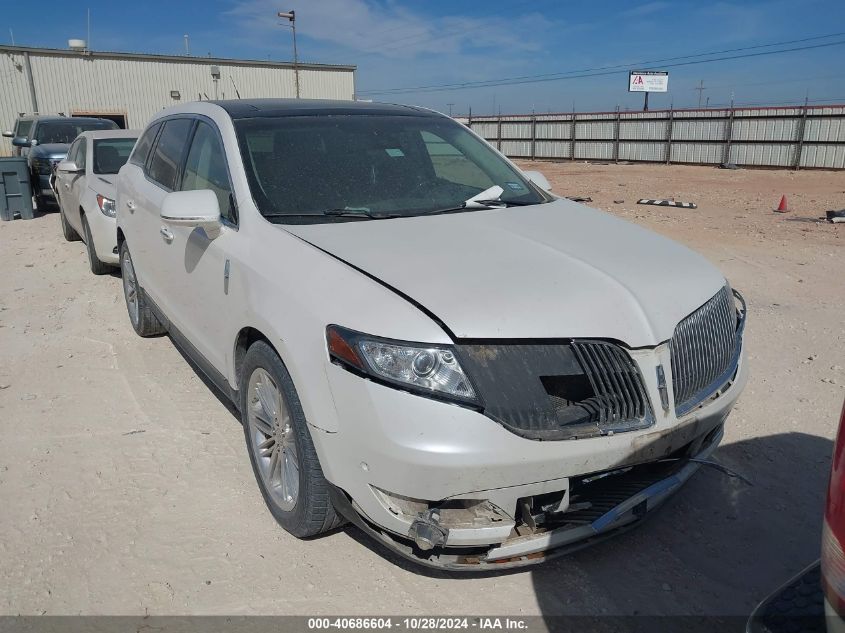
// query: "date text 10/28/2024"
[[421, 623]]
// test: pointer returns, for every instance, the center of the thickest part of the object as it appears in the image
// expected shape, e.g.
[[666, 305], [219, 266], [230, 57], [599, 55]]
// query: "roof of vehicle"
[[97, 134], [59, 117], [249, 108]]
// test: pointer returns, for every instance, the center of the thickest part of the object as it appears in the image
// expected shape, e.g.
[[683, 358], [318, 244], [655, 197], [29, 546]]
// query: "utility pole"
[[450, 108], [291, 17], [700, 89]]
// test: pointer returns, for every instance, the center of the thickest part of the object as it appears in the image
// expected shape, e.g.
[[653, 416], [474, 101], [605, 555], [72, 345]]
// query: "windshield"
[[110, 154], [66, 131], [299, 167]]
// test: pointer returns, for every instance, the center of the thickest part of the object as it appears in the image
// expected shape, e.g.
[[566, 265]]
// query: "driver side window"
[[205, 168], [73, 151], [82, 154]]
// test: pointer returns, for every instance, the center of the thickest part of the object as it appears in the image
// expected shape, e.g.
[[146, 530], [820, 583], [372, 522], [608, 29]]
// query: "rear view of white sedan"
[[86, 194]]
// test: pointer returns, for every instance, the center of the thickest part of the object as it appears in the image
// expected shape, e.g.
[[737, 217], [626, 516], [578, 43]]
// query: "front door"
[[148, 240], [197, 287]]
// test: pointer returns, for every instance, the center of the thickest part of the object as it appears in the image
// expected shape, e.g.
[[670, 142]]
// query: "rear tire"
[[280, 447], [67, 230], [141, 316]]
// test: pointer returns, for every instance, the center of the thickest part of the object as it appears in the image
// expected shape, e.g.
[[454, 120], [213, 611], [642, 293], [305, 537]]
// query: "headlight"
[[106, 205], [427, 369]]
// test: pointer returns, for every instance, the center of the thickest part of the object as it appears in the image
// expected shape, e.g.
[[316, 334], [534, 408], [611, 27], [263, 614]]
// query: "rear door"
[[197, 284], [148, 242]]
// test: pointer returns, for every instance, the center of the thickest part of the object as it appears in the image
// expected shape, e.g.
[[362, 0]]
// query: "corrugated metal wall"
[[790, 137], [140, 86]]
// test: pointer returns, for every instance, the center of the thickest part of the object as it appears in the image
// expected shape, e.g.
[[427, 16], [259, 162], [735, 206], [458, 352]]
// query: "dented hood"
[[556, 270]]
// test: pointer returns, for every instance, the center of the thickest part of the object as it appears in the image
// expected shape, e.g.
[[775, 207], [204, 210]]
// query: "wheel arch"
[[243, 341]]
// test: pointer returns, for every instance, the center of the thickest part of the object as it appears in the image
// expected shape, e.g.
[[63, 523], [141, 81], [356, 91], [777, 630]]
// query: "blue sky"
[[422, 43]]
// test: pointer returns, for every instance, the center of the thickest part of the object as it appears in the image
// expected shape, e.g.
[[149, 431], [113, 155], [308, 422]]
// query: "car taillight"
[[833, 531]]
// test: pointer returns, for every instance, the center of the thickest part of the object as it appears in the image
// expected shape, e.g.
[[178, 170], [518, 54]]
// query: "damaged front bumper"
[[619, 500]]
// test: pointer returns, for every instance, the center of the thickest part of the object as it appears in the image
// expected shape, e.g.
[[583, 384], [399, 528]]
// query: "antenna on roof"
[[89, 27]]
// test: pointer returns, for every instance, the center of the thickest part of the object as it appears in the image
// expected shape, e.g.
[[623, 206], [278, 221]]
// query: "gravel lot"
[[125, 486]]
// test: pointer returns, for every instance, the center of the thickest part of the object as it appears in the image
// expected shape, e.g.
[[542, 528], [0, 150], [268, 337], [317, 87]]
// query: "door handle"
[[166, 234], [130, 205]]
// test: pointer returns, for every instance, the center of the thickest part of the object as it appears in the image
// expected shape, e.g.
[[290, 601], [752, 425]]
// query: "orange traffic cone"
[[782, 207]]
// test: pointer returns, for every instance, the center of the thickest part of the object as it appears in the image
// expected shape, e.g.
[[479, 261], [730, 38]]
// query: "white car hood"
[[556, 270]]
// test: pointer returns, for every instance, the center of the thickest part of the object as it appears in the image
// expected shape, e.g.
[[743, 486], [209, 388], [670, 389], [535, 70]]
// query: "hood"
[[50, 150], [556, 270]]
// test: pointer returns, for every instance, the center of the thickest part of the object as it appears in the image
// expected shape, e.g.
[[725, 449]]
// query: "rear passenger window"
[[168, 152], [205, 168], [142, 149]]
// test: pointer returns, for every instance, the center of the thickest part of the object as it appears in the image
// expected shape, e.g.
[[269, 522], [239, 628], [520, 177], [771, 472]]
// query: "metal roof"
[[63, 52], [250, 108]]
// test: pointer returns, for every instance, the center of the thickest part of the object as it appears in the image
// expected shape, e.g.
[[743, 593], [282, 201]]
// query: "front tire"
[[141, 316], [94, 262], [67, 230], [280, 447]]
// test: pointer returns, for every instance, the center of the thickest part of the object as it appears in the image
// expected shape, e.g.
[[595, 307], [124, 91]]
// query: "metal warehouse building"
[[129, 87]]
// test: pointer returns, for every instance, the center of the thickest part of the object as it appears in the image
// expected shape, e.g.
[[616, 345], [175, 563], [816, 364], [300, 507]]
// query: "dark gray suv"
[[46, 145]]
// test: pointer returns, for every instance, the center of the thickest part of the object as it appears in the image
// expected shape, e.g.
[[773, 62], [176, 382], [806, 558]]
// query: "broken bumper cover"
[[541, 546]]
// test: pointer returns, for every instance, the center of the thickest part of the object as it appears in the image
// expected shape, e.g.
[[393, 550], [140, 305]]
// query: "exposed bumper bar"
[[536, 548]]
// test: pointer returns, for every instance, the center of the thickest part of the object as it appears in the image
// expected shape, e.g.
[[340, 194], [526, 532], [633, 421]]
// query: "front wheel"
[[143, 321], [280, 447], [67, 230], [94, 263]]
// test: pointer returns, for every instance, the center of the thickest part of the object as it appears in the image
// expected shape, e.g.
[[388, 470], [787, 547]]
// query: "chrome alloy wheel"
[[272, 439], [130, 288]]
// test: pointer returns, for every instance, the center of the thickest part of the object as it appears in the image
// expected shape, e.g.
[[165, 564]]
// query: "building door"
[[117, 117]]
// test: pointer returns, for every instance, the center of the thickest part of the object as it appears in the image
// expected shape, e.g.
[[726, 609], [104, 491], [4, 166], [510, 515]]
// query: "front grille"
[[705, 350], [616, 383], [557, 391]]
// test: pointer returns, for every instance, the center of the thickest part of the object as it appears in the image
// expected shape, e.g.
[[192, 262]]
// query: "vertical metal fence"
[[789, 137]]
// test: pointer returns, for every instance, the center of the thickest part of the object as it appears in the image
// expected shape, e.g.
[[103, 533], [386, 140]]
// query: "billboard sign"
[[648, 81]]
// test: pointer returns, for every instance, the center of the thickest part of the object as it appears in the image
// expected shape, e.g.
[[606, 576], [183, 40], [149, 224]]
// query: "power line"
[[609, 70]]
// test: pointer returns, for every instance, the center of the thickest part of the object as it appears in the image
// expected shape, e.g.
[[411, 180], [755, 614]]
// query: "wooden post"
[[499, 134], [669, 125], [616, 137], [729, 136], [802, 126]]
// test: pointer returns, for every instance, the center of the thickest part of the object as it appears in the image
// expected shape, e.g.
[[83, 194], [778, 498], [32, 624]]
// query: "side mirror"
[[9, 134], [538, 179], [21, 141], [68, 167], [193, 208]]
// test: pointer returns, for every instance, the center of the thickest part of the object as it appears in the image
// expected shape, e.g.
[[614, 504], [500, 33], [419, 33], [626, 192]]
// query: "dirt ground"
[[125, 486]]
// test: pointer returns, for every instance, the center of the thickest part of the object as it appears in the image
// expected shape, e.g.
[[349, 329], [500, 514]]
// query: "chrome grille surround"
[[705, 349]]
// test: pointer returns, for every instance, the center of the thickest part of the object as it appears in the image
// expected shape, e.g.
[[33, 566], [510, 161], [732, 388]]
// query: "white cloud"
[[390, 30]]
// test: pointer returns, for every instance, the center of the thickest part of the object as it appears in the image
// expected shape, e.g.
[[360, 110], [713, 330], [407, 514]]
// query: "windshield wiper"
[[358, 213]]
